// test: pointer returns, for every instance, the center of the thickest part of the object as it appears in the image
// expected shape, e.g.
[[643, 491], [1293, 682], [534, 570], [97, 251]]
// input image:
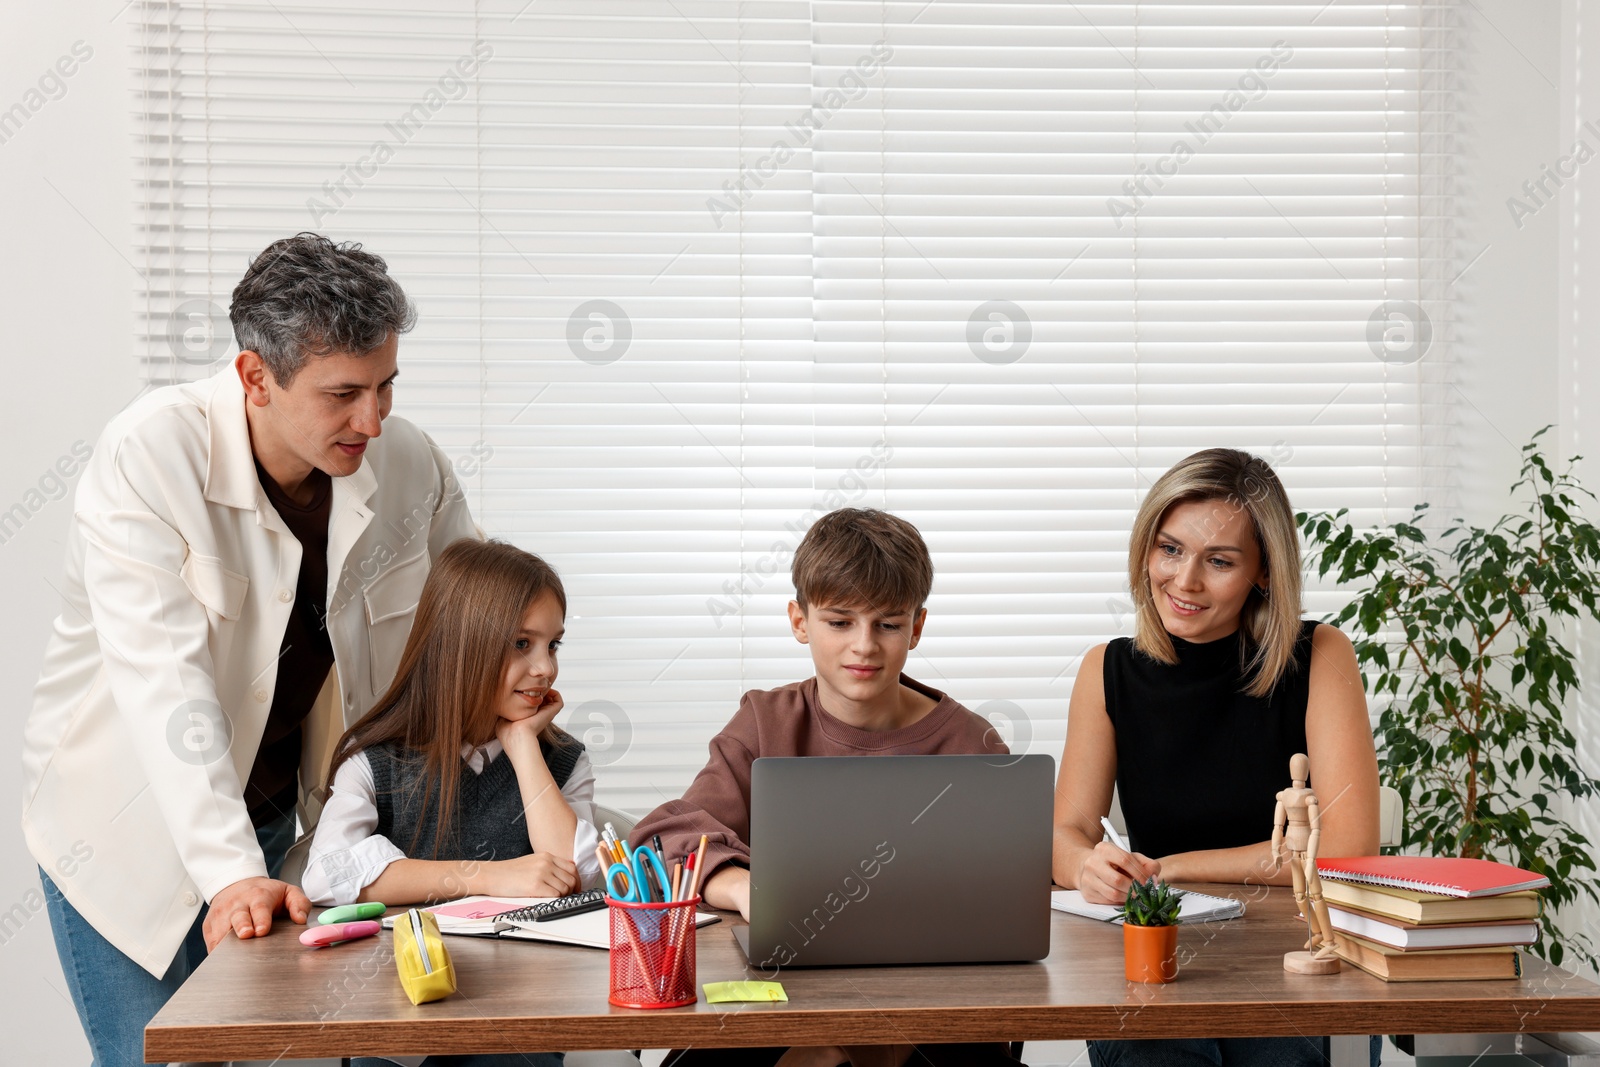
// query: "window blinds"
[[690, 274]]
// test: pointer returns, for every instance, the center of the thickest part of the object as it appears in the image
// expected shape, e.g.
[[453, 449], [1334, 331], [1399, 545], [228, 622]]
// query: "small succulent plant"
[[1152, 903]]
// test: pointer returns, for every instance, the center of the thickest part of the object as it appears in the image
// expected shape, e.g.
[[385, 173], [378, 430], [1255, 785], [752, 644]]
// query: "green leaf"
[[1463, 643]]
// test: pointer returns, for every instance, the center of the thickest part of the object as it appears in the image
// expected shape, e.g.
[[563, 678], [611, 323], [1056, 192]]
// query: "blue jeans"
[[1211, 1052], [116, 997]]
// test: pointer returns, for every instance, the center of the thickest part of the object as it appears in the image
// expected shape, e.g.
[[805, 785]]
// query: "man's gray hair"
[[306, 296]]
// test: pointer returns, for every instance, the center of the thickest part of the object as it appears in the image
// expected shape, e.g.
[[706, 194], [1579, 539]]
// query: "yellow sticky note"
[[733, 992]]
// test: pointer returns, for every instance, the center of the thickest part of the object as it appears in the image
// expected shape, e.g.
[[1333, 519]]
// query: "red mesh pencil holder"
[[652, 954]]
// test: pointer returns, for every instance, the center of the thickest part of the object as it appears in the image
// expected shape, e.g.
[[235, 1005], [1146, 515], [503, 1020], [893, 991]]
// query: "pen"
[[1116, 838], [666, 890], [658, 893]]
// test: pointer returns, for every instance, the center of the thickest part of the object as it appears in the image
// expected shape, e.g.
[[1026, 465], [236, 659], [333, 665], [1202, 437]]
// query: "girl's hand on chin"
[[513, 732]]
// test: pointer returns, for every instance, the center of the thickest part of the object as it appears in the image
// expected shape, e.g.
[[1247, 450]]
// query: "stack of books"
[[1431, 918]]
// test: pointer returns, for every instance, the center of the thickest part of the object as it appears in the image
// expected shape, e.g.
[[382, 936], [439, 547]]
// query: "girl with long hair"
[[458, 781]]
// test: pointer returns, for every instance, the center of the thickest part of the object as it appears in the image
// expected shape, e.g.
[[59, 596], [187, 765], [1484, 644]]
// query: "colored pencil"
[[699, 864], [680, 937]]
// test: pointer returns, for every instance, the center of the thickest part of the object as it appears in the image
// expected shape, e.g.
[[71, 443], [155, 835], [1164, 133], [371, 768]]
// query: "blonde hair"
[[1270, 621]]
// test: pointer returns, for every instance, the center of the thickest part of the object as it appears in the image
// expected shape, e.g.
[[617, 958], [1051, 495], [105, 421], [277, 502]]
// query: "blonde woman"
[[1195, 718]]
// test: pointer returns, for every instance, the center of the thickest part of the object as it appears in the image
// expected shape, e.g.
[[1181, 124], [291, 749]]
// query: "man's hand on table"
[[247, 906]]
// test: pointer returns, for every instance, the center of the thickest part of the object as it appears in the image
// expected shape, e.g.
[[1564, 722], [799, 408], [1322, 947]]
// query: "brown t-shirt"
[[789, 721], [304, 657]]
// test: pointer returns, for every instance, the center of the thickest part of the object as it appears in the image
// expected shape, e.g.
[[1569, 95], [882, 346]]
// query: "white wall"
[[1578, 335], [66, 285], [1507, 369], [1506, 351]]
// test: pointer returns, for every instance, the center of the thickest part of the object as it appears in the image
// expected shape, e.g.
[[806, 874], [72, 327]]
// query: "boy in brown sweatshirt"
[[861, 578]]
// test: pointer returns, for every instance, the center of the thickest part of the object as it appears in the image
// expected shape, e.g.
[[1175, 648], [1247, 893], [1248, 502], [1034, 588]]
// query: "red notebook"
[[1446, 875]]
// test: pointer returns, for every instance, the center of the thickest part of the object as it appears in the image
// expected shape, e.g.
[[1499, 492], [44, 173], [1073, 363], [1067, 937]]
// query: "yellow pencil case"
[[424, 963]]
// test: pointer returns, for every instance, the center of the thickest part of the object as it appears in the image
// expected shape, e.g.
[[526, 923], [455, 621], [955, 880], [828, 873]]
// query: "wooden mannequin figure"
[[1296, 829]]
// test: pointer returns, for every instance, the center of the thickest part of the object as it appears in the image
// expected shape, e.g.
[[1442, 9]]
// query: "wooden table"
[[269, 998]]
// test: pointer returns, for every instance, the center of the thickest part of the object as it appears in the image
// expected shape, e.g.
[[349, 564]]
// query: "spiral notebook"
[[1195, 908], [1446, 875], [516, 918], [475, 915]]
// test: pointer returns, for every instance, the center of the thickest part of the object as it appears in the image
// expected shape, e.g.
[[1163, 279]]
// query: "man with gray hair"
[[243, 564]]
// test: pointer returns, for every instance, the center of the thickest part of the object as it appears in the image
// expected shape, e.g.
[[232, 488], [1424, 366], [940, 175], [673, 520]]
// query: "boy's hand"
[[542, 874], [516, 735], [729, 889]]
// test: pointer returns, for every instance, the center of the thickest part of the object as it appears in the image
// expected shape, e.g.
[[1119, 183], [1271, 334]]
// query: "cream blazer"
[[159, 672]]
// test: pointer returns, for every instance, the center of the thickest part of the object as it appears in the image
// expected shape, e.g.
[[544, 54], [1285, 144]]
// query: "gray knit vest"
[[487, 822]]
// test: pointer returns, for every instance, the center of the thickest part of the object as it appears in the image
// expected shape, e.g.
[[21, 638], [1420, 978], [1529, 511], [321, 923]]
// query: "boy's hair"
[[443, 693], [862, 557]]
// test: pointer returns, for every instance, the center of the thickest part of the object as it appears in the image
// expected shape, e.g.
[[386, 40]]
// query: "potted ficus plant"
[[1464, 645], [1150, 932]]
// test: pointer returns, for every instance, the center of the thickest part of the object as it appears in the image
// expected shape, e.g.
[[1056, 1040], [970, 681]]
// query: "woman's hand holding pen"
[[542, 874], [1107, 872]]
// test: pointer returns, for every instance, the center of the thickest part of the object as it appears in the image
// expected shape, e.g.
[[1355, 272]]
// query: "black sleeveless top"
[[1200, 762]]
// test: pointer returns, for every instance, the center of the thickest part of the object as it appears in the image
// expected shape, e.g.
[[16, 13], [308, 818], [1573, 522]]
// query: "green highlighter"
[[349, 913]]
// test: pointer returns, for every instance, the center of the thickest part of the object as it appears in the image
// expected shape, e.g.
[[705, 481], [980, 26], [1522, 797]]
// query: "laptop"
[[858, 860]]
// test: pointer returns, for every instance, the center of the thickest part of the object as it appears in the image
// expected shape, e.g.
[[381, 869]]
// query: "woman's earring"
[[1263, 591]]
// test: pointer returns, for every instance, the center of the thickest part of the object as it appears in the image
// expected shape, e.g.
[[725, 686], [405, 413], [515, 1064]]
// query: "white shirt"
[[159, 674], [347, 856]]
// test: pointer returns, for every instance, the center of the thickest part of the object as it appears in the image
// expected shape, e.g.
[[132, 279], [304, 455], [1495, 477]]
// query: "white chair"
[[1391, 816], [623, 822]]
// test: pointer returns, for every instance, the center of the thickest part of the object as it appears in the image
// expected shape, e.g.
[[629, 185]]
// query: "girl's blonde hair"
[[444, 691], [1270, 621]]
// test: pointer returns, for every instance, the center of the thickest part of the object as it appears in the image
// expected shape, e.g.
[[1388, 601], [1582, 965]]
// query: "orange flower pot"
[[1149, 953]]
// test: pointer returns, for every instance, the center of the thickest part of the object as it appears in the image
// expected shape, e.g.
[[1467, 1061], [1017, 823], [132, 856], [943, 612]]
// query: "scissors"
[[640, 860]]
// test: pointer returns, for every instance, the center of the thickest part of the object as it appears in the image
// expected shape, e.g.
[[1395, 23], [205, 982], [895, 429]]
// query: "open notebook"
[[512, 918], [1197, 907]]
